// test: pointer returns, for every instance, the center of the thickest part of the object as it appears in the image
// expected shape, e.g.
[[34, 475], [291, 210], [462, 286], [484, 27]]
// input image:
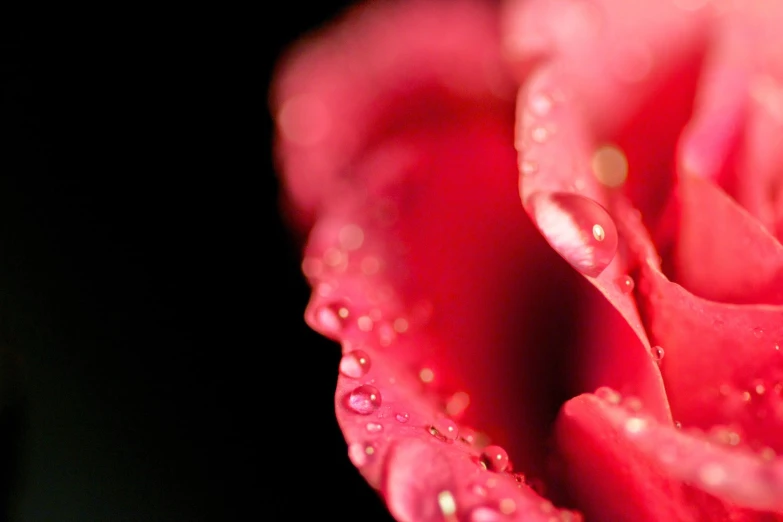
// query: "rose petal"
[[423, 476], [560, 154], [745, 262], [420, 255], [735, 136], [718, 356], [626, 466]]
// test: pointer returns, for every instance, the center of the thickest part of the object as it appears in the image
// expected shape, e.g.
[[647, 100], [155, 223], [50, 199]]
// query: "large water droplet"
[[657, 353], [327, 318], [355, 364], [495, 458], [364, 399], [578, 228], [444, 429]]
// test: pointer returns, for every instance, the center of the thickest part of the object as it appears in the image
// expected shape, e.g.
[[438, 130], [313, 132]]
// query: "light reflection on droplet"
[[364, 399], [355, 364], [447, 504], [578, 228]]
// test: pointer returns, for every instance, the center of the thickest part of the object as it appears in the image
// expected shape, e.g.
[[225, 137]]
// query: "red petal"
[[625, 466]]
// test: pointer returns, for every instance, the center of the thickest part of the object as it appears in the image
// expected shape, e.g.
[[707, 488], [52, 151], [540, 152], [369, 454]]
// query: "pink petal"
[[736, 134], [421, 256], [724, 364], [722, 253], [624, 465]]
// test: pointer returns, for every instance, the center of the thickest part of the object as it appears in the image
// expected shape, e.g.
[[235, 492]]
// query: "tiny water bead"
[[758, 332], [359, 453], [495, 458], [355, 364], [578, 228], [402, 417], [528, 167], [485, 514], [373, 427], [610, 166], [609, 395], [625, 284], [657, 353], [444, 429], [364, 399], [540, 104]]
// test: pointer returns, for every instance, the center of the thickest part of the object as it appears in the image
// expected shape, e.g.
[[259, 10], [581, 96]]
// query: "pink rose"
[[603, 306]]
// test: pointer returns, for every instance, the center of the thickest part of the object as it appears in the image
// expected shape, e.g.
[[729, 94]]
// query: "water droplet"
[[364, 399], [374, 427], [657, 353], [578, 228], [479, 490], [758, 332], [625, 284], [402, 417], [678, 425], [359, 453], [447, 504], [528, 167], [327, 318], [609, 395], [355, 364], [507, 506], [444, 429], [539, 134], [540, 104], [712, 474], [485, 514], [635, 425], [495, 458]]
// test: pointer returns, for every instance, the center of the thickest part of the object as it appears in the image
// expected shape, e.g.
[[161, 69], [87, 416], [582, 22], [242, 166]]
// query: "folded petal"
[[624, 465]]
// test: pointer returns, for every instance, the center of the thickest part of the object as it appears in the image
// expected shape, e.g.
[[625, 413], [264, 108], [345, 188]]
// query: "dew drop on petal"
[[758, 332], [359, 453], [539, 134], [444, 429], [402, 417], [355, 364], [364, 399], [540, 104], [374, 427], [447, 504], [485, 514], [495, 458], [657, 353], [528, 167], [609, 395], [578, 228], [507, 506], [327, 318], [625, 284]]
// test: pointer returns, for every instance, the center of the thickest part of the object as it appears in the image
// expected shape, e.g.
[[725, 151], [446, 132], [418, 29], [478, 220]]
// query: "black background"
[[155, 363]]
